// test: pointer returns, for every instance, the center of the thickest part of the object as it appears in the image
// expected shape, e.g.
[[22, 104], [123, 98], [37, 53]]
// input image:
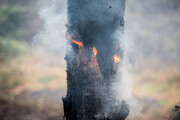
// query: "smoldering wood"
[[93, 22]]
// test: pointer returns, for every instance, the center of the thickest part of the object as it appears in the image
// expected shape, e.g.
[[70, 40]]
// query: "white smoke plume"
[[123, 85], [53, 14]]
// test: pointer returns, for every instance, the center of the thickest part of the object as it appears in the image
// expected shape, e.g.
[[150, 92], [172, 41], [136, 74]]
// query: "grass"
[[24, 76], [46, 79], [163, 103], [10, 77], [11, 48], [161, 85], [156, 89]]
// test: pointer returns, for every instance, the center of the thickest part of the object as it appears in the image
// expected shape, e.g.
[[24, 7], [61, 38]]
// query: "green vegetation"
[[11, 48], [9, 78], [12, 22], [46, 79], [11, 19]]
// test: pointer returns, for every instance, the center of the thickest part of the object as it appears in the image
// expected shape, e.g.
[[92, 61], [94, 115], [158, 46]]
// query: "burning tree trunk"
[[92, 58]]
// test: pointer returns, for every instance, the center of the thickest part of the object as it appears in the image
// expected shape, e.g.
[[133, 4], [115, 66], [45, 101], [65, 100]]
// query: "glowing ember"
[[78, 43], [116, 58], [94, 64], [94, 51]]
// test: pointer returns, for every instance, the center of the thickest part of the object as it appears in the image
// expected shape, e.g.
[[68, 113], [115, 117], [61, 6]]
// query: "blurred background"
[[32, 66]]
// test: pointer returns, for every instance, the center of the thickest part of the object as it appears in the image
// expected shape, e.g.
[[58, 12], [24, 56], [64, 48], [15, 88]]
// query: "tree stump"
[[92, 58]]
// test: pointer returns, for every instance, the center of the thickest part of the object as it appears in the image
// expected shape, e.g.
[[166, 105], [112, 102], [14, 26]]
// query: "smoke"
[[122, 88], [54, 17], [53, 14]]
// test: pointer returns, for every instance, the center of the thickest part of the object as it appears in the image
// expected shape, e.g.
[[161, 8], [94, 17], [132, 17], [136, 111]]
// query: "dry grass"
[[38, 95], [44, 83], [158, 92]]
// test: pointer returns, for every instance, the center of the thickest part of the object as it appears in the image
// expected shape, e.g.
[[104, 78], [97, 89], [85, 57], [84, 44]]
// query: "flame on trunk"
[[116, 58], [94, 51], [81, 59], [94, 63], [80, 44]]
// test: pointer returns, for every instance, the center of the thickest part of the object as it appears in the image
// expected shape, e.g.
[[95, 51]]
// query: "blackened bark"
[[89, 77]]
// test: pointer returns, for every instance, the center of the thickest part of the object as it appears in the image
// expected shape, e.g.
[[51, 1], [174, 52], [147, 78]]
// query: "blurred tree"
[[18, 19], [11, 19]]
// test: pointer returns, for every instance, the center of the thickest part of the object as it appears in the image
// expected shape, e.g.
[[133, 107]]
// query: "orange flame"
[[94, 51], [78, 43], [94, 64], [116, 58]]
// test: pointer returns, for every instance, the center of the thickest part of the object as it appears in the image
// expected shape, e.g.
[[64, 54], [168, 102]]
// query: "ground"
[[39, 96]]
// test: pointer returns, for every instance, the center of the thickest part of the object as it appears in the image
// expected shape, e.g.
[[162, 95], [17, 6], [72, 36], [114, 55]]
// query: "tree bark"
[[92, 25]]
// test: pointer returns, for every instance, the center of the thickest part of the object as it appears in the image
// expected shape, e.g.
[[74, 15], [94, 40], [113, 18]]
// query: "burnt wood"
[[94, 23]]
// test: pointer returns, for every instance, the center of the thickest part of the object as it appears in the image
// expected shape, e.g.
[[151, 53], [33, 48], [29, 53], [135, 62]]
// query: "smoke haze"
[[54, 17], [141, 38], [52, 36]]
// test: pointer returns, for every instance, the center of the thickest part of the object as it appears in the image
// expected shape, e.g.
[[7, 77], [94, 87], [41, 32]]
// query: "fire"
[[94, 64], [116, 58], [94, 51], [78, 43]]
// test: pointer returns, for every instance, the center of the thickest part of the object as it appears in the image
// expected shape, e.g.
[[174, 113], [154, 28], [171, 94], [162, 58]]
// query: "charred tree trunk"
[[92, 57]]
